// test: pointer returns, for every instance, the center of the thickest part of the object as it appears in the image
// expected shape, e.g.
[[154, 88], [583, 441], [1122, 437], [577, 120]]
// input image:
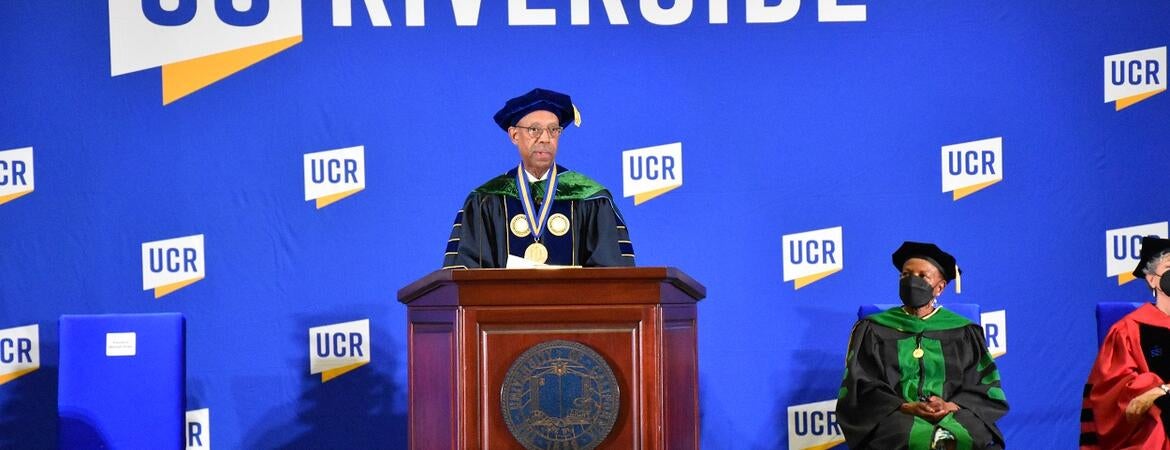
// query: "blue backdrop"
[[785, 127]]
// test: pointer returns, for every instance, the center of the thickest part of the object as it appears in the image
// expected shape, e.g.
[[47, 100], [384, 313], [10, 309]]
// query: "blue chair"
[[969, 310], [1108, 313], [122, 381]]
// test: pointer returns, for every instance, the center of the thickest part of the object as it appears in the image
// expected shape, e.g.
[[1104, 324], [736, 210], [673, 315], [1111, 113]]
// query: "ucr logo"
[[199, 429], [16, 173], [172, 264], [20, 352], [651, 171], [813, 426], [812, 255], [1134, 76], [971, 166], [198, 42], [1123, 248], [339, 348], [995, 331], [332, 175]]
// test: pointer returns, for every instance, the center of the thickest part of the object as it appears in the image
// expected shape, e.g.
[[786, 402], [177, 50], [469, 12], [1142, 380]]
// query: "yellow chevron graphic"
[[1123, 103], [830, 444], [805, 281], [334, 373], [331, 199], [10, 197], [168, 288], [963, 192], [185, 77], [1125, 277], [14, 375], [647, 196]]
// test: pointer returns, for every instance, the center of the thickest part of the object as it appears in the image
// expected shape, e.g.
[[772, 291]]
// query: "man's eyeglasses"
[[535, 131]]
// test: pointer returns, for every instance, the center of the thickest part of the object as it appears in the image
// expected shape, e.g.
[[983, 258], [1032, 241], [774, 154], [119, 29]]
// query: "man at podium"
[[538, 213]]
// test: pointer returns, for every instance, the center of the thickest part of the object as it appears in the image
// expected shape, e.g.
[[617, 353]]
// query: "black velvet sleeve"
[[605, 241]]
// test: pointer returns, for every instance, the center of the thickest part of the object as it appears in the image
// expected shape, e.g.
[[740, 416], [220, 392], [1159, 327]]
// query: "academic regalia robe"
[[483, 235], [1134, 358], [881, 373]]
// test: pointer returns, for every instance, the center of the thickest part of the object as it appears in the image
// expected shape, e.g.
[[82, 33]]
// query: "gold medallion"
[[918, 353], [558, 224], [536, 253], [519, 226]]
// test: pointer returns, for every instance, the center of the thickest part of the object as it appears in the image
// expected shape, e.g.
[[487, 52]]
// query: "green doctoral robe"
[[481, 236], [881, 373]]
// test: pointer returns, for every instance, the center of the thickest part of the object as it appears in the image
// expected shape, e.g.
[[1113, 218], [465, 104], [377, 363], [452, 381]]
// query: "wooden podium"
[[467, 327]]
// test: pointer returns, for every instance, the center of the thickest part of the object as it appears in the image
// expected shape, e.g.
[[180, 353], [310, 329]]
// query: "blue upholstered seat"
[[122, 381], [1108, 313], [969, 310]]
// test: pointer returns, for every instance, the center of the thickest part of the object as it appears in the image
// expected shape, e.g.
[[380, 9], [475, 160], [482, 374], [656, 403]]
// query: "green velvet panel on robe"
[[882, 373]]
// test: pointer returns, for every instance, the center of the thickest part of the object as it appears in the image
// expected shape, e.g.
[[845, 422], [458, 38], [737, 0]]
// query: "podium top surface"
[[567, 276]]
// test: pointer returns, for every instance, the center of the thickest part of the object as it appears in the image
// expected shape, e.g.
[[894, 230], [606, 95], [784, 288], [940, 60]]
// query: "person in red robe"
[[1126, 403]]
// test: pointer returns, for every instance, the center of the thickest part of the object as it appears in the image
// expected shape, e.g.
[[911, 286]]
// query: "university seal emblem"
[[559, 395]]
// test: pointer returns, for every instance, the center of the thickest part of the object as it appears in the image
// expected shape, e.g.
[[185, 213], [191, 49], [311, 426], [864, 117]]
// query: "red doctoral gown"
[[1128, 365]]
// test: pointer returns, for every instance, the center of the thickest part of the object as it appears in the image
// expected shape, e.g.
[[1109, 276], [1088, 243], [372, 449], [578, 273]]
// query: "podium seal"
[[560, 394]]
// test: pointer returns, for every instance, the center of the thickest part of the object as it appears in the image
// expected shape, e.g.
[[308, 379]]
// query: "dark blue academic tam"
[[535, 100]]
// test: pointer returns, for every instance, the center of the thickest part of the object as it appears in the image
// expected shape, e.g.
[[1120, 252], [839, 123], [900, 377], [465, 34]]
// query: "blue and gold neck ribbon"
[[536, 224]]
